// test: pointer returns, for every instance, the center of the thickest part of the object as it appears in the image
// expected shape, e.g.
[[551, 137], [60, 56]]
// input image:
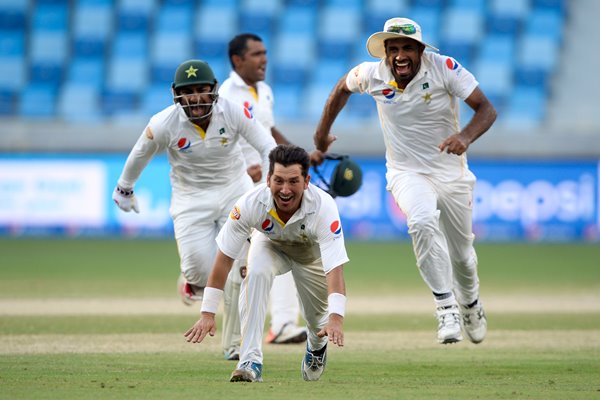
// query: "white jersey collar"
[[308, 205], [237, 80]]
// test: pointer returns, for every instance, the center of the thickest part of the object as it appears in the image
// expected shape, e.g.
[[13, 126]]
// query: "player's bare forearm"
[[335, 103], [482, 120], [335, 281], [336, 286], [221, 268], [278, 136]]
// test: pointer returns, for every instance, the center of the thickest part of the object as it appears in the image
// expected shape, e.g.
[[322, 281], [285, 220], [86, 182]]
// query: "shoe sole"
[[243, 376], [451, 339]]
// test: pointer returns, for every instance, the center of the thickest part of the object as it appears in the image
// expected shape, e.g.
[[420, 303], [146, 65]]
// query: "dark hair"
[[239, 44], [289, 154]]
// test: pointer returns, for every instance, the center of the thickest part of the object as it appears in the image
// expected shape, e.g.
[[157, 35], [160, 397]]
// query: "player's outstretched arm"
[[213, 293], [337, 306], [335, 103]]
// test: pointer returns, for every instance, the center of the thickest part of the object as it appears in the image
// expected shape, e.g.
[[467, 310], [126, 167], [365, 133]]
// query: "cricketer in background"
[[200, 135], [417, 95], [296, 228]]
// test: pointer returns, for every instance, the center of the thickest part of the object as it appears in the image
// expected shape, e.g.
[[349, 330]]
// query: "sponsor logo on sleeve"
[[235, 213], [452, 64], [336, 227]]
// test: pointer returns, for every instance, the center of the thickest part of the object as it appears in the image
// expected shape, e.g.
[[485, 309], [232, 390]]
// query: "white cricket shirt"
[[313, 231], [418, 119], [199, 159], [235, 89]]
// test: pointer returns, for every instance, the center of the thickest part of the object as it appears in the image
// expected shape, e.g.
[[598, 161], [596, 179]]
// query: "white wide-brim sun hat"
[[394, 28]]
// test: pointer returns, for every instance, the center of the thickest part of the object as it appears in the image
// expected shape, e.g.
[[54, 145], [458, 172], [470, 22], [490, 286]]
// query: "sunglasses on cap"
[[407, 29]]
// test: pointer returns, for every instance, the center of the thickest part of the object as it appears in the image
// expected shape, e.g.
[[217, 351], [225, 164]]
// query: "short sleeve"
[[330, 235], [357, 79], [236, 230], [459, 81]]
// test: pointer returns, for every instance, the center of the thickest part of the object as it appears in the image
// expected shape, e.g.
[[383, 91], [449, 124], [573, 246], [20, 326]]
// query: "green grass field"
[[101, 319]]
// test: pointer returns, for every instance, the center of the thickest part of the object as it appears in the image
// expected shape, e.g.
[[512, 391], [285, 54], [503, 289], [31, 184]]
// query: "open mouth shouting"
[[402, 68]]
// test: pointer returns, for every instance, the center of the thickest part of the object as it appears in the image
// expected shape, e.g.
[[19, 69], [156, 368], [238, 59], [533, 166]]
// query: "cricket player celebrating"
[[246, 86], [417, 95], [297, 228], [200, 134]]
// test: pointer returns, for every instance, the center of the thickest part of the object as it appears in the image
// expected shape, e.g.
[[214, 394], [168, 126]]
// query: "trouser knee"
[[195, 268]]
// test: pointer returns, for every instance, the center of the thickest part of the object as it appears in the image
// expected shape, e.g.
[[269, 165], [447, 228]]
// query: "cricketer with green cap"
[[200, 134]]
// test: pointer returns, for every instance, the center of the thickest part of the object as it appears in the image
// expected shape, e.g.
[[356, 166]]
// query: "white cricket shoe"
[[189, 293], [474, 322], [313, 364], [247, 372], [289, 333], [448, 324]]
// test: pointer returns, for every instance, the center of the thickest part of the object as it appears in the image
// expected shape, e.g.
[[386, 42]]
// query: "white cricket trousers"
[[265, 261], [197, 218], [439, 219], [285, 307]]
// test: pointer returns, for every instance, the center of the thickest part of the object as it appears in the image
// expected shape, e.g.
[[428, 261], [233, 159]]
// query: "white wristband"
[[337, 304], [211, 299]]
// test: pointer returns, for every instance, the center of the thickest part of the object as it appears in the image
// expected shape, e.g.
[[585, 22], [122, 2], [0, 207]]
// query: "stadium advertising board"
[[520, 200]]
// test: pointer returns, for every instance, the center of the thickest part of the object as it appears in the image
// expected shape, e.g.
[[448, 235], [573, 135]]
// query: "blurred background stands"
[[107, 61]]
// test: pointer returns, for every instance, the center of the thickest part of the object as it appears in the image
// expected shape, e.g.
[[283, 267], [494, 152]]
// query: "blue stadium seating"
[[38, 101], [135, 15], [88, 71], [118, 56], [155, 98], [12, 70], [79, 102], [167, 50], [288, 102], [526, 108], [13, 15], [430, 20]]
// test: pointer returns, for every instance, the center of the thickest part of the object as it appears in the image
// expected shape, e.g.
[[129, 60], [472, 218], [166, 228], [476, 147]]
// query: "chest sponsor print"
[[267, 225], [184, 145], [248, 106], [388, 93]]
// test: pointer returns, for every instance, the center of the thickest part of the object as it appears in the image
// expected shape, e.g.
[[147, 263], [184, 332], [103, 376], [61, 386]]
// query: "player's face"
[[287, 186], [252, 66], [403, 55], [197, 100]]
